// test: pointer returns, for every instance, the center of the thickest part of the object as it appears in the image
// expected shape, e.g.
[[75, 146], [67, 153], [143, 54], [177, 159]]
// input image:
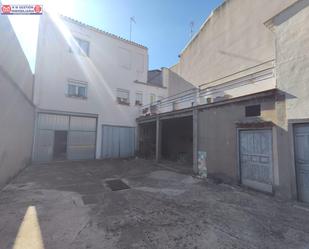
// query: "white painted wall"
[[112, 63], [16, 109]]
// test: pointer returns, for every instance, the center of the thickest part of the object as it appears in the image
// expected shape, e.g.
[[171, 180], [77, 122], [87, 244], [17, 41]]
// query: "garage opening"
[[61, 137], [147, 140], [177, 140]]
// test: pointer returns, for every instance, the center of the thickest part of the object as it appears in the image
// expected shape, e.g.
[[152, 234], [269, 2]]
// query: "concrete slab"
[[68, 205]]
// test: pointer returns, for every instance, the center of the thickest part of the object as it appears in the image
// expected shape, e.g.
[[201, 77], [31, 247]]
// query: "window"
[[152, 98], [123, 97], [80, 46], [253, 111], [139, 99], [77, 89], [124, 58]]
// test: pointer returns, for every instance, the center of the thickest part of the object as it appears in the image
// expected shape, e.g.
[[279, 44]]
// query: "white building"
[[89, 87]]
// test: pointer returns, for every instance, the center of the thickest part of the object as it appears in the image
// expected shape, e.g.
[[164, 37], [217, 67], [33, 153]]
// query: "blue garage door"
[[301, 141], [118, 141]]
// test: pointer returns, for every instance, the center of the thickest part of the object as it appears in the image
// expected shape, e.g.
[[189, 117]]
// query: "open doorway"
[[147, 140], [60, 145], [177, 140]]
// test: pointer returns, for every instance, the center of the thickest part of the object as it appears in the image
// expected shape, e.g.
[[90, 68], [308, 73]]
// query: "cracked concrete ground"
[[163, 208]]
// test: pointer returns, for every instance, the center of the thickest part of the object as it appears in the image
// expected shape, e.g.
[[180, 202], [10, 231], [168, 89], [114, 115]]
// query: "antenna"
[[132, 20], [191, 29]]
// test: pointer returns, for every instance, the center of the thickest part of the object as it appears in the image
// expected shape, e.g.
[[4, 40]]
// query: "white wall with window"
[[123, 97], [139, 99], [96, 66], [80, 46], [76, 89]]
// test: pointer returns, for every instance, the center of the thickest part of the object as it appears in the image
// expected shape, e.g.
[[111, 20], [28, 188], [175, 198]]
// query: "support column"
[[158, 139], [138, 139], [195, 141]]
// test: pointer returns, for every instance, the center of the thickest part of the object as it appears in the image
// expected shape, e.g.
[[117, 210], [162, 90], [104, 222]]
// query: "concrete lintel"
[[146, 121], [180, 115], [57, 112]]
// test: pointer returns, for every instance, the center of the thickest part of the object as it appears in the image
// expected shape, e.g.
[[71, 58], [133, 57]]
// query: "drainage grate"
[[116, 184]]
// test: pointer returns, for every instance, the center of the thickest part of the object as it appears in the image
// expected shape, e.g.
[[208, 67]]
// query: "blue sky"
[[161, 25]]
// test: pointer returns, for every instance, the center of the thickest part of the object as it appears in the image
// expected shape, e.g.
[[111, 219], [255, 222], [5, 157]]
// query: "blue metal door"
[[301, 142], [117, 141]]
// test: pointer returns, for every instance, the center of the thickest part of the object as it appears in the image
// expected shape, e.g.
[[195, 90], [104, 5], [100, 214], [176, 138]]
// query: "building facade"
[[247, 109], [233, 38], [291, 32], [89, 87]]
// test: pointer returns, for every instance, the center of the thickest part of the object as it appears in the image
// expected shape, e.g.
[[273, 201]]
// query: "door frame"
[[238, 131], [291, 130]]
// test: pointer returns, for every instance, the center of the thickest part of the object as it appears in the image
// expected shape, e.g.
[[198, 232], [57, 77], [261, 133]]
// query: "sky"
[[161, 25]]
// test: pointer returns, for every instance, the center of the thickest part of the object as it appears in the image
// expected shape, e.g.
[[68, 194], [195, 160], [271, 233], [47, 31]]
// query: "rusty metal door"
[[256, 159], [301, 144]]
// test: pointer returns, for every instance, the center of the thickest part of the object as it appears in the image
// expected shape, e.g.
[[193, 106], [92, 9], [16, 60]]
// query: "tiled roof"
[[101, 31]]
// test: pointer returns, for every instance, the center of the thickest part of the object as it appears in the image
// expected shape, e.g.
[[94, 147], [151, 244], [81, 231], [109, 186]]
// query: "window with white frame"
[[139, 99], [152, 98], [80, 46], [123, 97], [77, 89]]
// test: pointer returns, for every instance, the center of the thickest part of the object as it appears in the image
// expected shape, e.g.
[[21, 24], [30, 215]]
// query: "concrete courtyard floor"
[[69, 206]]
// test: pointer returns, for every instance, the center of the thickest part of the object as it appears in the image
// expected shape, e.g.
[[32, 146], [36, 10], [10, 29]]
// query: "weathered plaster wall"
[[175, 83], [292, 46], [218, 134], [291, 31], [232, 39], [16, 109]]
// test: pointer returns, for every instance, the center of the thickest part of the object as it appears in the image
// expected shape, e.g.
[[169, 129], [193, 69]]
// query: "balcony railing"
[[249, 81]]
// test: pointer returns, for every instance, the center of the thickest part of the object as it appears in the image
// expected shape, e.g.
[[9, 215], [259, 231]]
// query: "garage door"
[[82, 138], [301, 141], [117, 141], [77, 141], [256, 159]]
